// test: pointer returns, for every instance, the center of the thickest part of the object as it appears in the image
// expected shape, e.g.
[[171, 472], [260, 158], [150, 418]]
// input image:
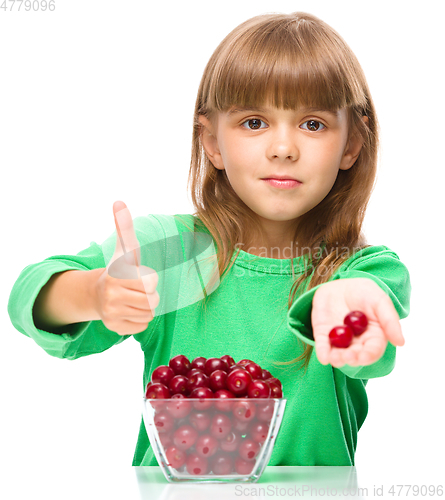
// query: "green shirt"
[[246, 317]]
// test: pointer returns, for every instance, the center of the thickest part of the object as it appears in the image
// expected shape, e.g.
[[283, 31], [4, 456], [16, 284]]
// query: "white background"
[[96, 105]]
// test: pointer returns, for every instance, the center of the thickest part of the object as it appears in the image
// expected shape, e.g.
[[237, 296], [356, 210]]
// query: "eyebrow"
[[241, 109]]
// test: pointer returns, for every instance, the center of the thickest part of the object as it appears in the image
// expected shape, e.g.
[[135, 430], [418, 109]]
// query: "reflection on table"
[[278, 482]]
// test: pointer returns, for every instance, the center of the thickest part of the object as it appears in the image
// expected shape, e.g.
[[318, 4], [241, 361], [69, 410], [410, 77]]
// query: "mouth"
[[280, 178]]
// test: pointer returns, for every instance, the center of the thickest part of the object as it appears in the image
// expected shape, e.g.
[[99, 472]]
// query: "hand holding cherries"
[[354, 324]]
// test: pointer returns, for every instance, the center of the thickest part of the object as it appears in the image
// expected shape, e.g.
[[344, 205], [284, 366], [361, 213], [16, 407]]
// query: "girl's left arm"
[[375, 282]]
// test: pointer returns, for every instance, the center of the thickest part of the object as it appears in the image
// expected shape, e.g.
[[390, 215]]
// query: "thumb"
[[126, 241]]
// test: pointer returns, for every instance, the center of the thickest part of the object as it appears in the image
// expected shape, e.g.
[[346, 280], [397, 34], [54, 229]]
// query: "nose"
[[283, 144]]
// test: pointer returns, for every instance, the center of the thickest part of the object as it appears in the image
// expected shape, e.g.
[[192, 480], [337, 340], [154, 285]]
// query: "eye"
[[256, 122], [313, 126]]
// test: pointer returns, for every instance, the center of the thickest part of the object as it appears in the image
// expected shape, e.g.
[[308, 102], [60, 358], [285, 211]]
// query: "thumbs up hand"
[[126, 297]]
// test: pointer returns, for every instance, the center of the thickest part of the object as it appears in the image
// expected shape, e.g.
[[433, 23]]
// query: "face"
[[309, 146]]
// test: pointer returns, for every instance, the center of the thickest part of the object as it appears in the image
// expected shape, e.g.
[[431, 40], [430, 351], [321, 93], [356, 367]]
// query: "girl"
[[282, 97]]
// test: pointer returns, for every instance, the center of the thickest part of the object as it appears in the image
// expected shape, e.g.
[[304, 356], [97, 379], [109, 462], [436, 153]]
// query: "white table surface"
[[62, 482]]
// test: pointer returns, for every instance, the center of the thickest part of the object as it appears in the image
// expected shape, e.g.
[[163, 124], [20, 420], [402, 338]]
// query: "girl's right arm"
[[123, 301]]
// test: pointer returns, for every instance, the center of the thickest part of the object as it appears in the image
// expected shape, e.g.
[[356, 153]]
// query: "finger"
[[322, 348], [126, 242], [372, 350], [389, 320]]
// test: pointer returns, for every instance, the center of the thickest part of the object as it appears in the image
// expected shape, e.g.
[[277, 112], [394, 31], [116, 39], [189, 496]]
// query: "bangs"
[[287, 65]]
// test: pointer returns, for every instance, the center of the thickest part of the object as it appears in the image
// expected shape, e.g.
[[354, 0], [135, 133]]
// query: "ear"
[[210, 143], [352, 150]]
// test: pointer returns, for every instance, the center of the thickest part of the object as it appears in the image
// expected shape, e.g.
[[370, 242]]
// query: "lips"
[[281, 178]]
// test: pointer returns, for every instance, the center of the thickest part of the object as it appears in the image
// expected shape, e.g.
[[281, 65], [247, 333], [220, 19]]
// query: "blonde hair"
[[288, 60]]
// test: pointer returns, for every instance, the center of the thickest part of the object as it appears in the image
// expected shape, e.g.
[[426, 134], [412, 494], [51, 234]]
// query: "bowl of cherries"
[[212, 420]]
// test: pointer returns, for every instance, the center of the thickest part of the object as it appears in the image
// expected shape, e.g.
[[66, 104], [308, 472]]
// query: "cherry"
[[341, 336], [164, 421], [259, 389], [240, 425], [220, 425], [265, 374], [275, 389], [166, 439], [228, 359], [248, 449], [185, 437], [258, 431], [213, 364], [221, 464], [197, 379], [179, 406], [231, 441], [176, 457], [245, 361], [275, 380], [237, 381], [254, 369], [206, 445], [264, 410], [178, 385], [205, 396], [196, 465], [162, 375], [157, 391], [200, 420], [244, 410], [179, 364], [217, 380], [243, 467], [357, 322], [199, 363], [223, 405]]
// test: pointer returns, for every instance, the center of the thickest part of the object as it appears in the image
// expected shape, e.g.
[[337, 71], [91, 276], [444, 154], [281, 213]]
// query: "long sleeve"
[[385, 268]]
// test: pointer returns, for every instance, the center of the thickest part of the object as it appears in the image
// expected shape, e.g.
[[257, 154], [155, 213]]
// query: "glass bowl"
[[213, 440]]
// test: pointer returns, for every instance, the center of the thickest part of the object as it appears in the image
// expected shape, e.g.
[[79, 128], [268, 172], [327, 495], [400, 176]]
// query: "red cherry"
[[162, 375], [258, 431], [254, 369], [200, 420], [265, 374], [199, 363], [244, 467], [205, 396], [178, 385], [166, 439], [228, 359], [185, 437], [341, 336], [221, 464], [237, 381], [164, 421], [259, 389], [179, 406], [240, 425], [264, 410], [244, 410], [213, 364], [197, 379], [179, 364], [222, 405], [236, 367], [275, 390], [157, 391], [206, 445], [196, 465], [357, 322], [231, 441], [245, 361], [217, 380], [274, 380], [175, 456], [248, 449], [220, 425]]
